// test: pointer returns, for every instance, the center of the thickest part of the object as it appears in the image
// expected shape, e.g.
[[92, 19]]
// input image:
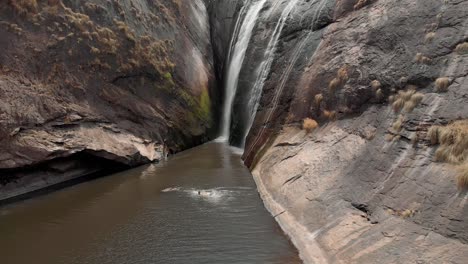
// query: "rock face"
[[94, 84], [365, 185], [89, 85]]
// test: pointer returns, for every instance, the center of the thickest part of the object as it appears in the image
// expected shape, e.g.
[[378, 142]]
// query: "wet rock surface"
[[364, 185], [126, 81]]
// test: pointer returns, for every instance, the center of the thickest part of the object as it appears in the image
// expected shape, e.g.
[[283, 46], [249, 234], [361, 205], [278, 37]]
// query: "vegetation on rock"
[[453, 147]]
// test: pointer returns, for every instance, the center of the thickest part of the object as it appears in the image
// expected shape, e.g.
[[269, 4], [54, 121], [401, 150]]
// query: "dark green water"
[[152, 214]]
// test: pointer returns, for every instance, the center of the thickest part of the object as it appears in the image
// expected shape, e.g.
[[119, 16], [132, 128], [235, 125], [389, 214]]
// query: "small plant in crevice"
[[389, 137], [430, 37], [442, 84], [406, 101], [376, 88], [318, 100], [360, 3], [309, 125], [462, 48], [397, 125], [340, 79], [375, 84], [379, 94], [95, 50], [343, 74], [330, 115], [408, 213], [421, 59], [333, 85]]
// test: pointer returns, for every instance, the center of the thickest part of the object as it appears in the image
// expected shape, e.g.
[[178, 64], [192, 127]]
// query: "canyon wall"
[[87, 86], [356, 142], [369, 175]]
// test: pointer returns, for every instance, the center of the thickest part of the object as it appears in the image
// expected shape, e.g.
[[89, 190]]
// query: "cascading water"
[[265, 66], [236, 58], [285, 77]]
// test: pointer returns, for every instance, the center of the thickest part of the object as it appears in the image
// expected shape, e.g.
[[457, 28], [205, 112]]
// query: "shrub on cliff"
[[453, 147], [23, 7], [442, 84], [429, 37], [331, 115], [406, 100], [453, 140], [334, 84], [462, 48], [420, 58], [318, 100], [309, 125]]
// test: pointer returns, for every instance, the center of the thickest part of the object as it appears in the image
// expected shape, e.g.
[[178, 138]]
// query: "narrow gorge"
[[351, 115]]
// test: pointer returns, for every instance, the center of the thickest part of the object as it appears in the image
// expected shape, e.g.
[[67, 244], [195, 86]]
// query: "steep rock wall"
[[126, 81], [365, 185]]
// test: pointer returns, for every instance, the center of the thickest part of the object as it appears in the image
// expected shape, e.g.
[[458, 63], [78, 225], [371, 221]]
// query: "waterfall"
[[241, 38], [265, 67]]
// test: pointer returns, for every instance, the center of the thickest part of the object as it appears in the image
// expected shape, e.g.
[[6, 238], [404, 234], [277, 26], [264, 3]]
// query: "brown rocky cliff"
[[121, 81]]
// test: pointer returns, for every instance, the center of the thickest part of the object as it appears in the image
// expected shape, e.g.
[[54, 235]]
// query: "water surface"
[[199, 207]]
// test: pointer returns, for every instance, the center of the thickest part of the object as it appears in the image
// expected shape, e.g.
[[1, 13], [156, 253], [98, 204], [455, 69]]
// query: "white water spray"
[[265, 67], [244, 31]]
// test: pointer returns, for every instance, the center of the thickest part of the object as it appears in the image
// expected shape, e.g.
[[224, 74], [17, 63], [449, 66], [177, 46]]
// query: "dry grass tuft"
[[462, 48], [417, 98], [375, 84], [125, 30], [398, 104], [442, 84], [412, 102], [430, 37], [95, 50], [343, 74], [407, 100], [397, 125], [379, 94], [420, 58], [24, 7], [453, 140], [309, 125], [331, 115], [409, 106], [407, 213], [403, 81], [462, 178], [406, 95], [318, 100], [340, 79], [334, 84], [433, 134], [389, 137], [360, 3]]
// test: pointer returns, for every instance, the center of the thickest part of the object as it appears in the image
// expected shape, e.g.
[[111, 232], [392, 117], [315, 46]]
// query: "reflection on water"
[[199, 207]]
